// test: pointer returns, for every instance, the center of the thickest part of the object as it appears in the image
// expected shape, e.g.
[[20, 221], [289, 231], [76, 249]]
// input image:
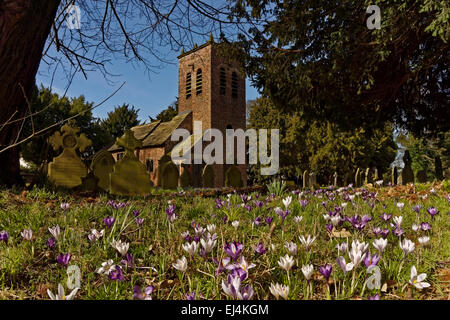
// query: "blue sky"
[[150, 93]]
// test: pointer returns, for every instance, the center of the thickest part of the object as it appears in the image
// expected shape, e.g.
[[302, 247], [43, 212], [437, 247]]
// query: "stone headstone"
[[90, 182], [368, 176], [361, 178], [421, 176], [407, 172], [208, 176], [130, 176], [169, 176], [312, 180], [67, 170], [186, 177], [394, 175], [233, 177], [357, 179], [102, 165], [376, 176], [161, 163], [335, 179], [305, 179], [438, 170]]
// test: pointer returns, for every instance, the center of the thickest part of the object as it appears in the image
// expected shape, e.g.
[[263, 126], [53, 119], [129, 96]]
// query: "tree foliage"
[[168, 113], [120, 119]]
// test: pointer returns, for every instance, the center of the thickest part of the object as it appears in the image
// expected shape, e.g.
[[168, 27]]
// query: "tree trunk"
[[24, 28]]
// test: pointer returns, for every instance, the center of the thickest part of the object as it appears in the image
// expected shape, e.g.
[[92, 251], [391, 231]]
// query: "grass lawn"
[[234, 246]]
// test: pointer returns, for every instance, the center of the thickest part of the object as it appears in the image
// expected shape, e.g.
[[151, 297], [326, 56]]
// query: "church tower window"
[[188, 85], [198, 84]]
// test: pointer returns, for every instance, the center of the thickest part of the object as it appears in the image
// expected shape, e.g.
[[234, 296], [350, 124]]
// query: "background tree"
[[121, 119], [169, 113], [34, 32], [54, 110], [319, 58]]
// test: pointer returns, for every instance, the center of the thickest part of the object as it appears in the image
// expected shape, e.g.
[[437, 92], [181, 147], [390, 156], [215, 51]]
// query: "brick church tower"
[[214, 91]]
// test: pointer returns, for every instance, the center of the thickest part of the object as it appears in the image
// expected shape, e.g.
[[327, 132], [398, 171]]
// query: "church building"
[[210, 90]]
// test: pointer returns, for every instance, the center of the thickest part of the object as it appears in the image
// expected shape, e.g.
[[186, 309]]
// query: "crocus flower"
[[303, 203], [235, 224], [370, 260], [400, 205], [106, 267], [190, 296], [208, 244], [109, 221], [307, 271], [375, 297], [139, 221], [64, 259], [55, 231], [384, 233], [417, 280], [425, 226], [65, 206], [27, 234], [181, 264], [380, 244], [259, 249], [232, 286], [407, 246], [128, 260], [61, 294], [357, 252], [423, 240], [342, 247], [298, 219], [326, 270], [120, 246], [268, 220], [138, 294], [291, 247], [4, 236], [279, 290], [417, 208], [190, 248], [116, 274], [398, 221], [398, 232], [95, 235], [286, 262], [346, 267], [246, 293], [211, 227], [51, 242], [415, 227], [329, 227], [307, 242], [432, 211], [233, 249], [287, 201], [385, 216]]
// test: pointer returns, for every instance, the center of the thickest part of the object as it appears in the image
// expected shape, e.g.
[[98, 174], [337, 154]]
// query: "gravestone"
[[130, 176], [394, 175], [438, 170], [233, 177], [312, 180], [305, 179], [161, 163], [335, 179], [186, 177], [421, 176], [170, 175], [376, 176], [90, 182], [368, 176], [208, 177], [361, 178], [67, 170], [407, 172], [102, 165]]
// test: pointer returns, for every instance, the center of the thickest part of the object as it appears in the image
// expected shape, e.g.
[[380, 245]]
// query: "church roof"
[[155, 133]]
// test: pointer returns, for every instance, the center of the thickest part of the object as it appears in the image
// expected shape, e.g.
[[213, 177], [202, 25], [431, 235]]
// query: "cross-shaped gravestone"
[[130, 176], [66, 170]]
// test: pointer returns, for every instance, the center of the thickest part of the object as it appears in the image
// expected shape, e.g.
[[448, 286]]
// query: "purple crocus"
[[4, 236], [303, 202], [190, 296], [51, 242], [398, 231], [64, 259], [116, 274], [384, 233], [139, 221], [248, 207], [259, 204], [138, 294], [109, 221], [326, 270], [233, 249], [329, 227], [219, 203], [432, 211], [385, 216], [257, 221], [425, 226], [136, 212], [417, 208], [128, 260], [370, 260], [259, 249], [375, 297], [376, 231], [268, 220]]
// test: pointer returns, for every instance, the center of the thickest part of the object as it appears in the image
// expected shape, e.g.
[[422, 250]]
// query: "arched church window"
[[198, 84], [188, 85], [149, 165]]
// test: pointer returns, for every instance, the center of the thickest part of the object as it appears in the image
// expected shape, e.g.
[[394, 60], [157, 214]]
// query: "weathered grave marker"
[[407, 172], [305, 179], [169, 176], [67, 170], [102, 165], [233, 177]]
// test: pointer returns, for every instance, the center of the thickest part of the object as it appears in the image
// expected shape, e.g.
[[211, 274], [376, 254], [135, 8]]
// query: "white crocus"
[[400, 205], [307, 242], [407, 246], [291, 247], [235, 224], [398, 220], [232, 288], [27, 234], [335, 220], [417, 280], [346, 267], [287, 201], [298, 219], [181, 264], [190, 248], [308, 270], [342, 247], [107, 267], [120, 246], [286, 262], [357, 252], [424, 240], [208, 244], [211, 228], [55, 231], [380, 244], [279, 290], [95, 234], [415, 227], [61, 294]]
